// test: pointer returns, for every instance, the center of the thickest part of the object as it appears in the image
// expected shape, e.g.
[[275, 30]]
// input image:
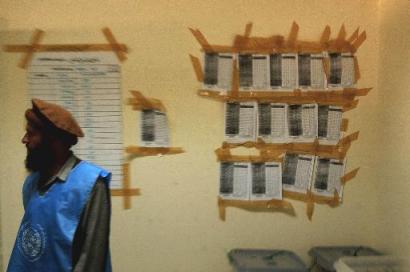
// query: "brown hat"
[[58, 116]]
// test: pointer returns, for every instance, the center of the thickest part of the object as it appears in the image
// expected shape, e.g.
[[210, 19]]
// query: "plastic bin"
[[265, 260], [325, 257], [369, 264]]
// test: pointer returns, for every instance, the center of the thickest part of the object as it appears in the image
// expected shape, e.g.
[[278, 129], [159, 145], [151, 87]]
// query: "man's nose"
[[24, 140]]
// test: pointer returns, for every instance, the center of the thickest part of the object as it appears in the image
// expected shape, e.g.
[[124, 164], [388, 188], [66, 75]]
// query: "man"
[[67, 205]]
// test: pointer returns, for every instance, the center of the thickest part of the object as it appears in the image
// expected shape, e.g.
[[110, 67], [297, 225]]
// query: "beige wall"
[[394, 142], [174, 225]]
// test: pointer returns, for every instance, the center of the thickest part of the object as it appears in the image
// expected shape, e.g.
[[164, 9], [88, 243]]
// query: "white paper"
[[236, 179], [250, 181], [88, 84], [327, 177], [154, 129], [260, 71], [272, 183], [309, 121], [302, 122], [225, 69], [289, 71], [275, 121], [304, 70], [347, 70], [318, 79], [330, 119], [275, 71], [302, 175], [335, 73], [210, 70], [242, 122]]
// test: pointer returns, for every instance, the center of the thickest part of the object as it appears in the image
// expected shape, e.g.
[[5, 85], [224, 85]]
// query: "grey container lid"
[[325, 257], [265, 260]]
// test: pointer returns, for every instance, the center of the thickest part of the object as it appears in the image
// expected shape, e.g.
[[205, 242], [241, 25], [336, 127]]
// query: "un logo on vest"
[[31, 241]]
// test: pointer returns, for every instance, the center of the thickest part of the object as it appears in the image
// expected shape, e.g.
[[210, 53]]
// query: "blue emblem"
[[31, 241]]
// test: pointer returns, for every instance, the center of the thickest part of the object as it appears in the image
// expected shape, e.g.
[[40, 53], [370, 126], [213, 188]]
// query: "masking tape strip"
[[140, 102], [64, 48], [356, 69], [354, 36], [349, 176], [356, 92], [196, 64], [277, 44], [248, 29], [235, 79], [114, 44], [306, 197], [35, 40], [352, 106], [341, 36], [126, 192], [293, 35], [349, 138], [340, 98], [153, 151], [325, 36], [249, 204], [326, 67], [201, 40], [344, 125], [310, 208], [358, 42], [222, 209]]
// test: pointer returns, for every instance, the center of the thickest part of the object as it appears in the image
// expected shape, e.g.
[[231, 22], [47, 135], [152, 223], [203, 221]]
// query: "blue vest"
[[45, 238]]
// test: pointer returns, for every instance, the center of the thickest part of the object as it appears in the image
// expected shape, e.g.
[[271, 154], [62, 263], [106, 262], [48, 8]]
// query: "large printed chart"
[[88, 84]]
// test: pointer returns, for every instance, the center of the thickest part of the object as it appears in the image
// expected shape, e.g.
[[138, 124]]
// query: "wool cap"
[[58, 116]]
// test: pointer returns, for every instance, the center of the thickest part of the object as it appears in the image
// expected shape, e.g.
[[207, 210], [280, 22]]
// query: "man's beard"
[[39, 158]]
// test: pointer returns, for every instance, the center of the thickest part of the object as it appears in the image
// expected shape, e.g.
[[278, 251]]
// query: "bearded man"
[[66, 201]]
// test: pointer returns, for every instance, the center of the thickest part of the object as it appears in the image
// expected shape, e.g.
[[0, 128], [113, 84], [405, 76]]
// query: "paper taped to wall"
[[88, 84]]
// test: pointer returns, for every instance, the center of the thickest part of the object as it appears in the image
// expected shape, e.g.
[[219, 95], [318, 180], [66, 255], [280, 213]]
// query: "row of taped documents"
[[279, 71], [282, 123], [266, 180]]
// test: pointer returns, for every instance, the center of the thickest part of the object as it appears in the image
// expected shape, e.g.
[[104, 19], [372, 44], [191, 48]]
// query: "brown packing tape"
[[295, 195], [201, 39], [356, 92], [277, 44], [351, 106], [349, 138], [35, 40], [310, 208], [13, 48], [293, 35], [326, 67], [127, 192], [344, 125], [139, 102], [197, 68], [349, 176], [340, 40], [252, 204], [153, 151], [358, 42], [325, 36], [126, 184], [354, 36], [356, 70], [235, 79], [114, 44], [248, 29]]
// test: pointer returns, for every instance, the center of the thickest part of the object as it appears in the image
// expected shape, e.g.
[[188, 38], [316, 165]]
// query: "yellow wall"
[[394, 142], [174, 225]]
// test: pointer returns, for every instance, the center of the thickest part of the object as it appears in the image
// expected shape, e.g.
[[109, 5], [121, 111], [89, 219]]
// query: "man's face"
[[39, 156]]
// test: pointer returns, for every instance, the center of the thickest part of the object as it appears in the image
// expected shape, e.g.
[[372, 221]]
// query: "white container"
[[369, 264]]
